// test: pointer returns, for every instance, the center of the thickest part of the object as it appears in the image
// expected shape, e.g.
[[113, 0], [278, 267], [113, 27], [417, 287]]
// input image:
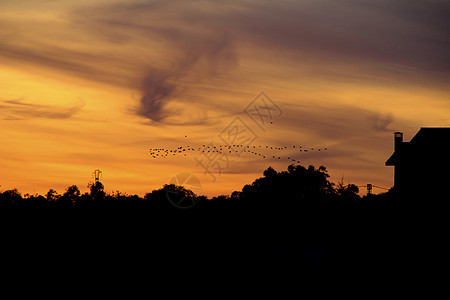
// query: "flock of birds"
[[263, 152]]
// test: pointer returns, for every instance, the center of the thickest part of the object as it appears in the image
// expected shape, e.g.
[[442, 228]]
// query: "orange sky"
[[95, 86]]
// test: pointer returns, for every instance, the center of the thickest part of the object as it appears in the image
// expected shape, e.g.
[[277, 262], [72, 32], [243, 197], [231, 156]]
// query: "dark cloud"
[[155, 89], [196, 63], [406, 33], [334, 121], [19, 110], [381, 122], [349, 40]]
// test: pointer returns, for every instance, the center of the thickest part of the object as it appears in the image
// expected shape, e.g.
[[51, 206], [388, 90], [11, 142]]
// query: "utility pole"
[[96, 175]]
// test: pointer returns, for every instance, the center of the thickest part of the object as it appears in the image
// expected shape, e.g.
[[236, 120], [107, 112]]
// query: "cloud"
[[381, 122], [91, 66], [196, 62], [165, 49], [19, 110], [358, 32], [387, 42], [405, 34]]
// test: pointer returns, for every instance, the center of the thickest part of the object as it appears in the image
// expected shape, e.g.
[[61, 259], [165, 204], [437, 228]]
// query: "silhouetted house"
[[422, 165]]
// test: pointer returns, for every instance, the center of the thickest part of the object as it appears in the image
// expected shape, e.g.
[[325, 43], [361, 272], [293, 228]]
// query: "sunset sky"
[[88, 85]]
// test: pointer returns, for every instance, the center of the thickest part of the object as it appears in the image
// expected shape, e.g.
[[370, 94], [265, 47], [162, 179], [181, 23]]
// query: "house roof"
[[432, 136], [391, 160], [426, 137]]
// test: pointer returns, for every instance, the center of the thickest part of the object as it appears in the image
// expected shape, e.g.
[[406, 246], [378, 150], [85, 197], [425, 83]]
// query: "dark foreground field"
[[222, 234]]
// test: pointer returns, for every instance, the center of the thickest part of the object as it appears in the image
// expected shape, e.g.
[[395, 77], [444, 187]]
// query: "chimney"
[[398, 140]]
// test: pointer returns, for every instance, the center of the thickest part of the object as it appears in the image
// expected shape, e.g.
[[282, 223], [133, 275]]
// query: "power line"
[[369, 187], [381, 188]]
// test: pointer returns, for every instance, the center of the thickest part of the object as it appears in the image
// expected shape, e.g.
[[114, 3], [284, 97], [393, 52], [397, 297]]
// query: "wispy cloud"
[[163, 48], [19, 110], [196, 63], [381, 122]]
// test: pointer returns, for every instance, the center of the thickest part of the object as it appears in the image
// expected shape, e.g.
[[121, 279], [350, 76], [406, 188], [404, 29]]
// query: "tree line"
[[296, 187]]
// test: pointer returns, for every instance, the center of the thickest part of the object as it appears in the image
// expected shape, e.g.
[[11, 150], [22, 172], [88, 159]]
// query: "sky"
[[96, 84]]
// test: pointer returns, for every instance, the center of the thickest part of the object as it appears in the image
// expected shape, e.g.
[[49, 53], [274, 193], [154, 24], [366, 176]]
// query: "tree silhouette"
[[346, 194], [72, 192], [11, 197], [69, 198], [297, 187], [52, 196], [172, 195], [97, 191]]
